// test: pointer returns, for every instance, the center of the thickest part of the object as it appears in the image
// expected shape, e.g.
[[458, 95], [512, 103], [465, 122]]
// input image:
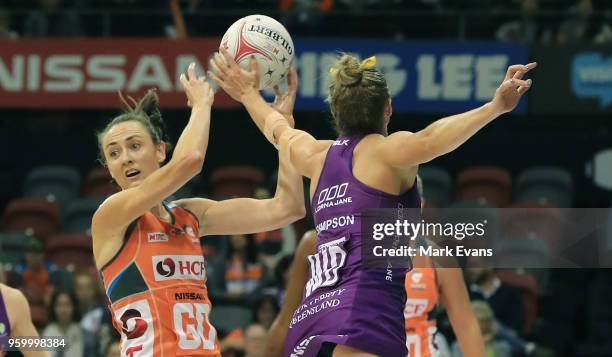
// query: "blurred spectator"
[[5, 25], [265, 311], [255, 340], [495, 346], [503, 299], [239, 275], [281, 278], [304, 16], [527, 29], [64, 317], [579, 27], [36, 276], [52, 19], [113, 349], [91, 308]]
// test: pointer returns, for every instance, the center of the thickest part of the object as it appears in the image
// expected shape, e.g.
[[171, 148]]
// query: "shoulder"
[[13, 298]]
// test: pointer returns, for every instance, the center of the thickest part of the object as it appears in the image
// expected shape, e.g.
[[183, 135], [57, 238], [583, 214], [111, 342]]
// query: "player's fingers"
[[221, 65], [513, 69], [216, 69], [217, 80], [184, 81], [521, 90], [253, 63], [292, 79], [521, 83], [192, 72], [231, 63]]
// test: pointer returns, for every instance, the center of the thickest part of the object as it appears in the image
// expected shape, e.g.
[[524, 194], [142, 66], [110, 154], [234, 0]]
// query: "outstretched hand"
[[234, 80], [196, 88], [284, 102], [512, 88]]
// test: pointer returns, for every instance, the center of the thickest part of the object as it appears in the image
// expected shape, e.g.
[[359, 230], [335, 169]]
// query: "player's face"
[[130, 154]]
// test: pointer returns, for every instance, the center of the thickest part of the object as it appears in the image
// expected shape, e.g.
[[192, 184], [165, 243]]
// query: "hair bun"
[[348, 71]]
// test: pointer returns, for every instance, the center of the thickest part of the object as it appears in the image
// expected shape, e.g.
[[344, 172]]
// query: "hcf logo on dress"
[[169, 267]]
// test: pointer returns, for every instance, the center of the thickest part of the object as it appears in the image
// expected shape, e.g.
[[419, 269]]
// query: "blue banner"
[[435, 77]]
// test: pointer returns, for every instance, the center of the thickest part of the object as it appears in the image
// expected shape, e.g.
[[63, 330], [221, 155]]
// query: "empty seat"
[[475, 213], [550, 185], [437, 185], [528, 287], [484, 184], [236, 181], [58, 184], [528, 254], [79, 214], [226, 318], [99, 183], [532, 219], [11, 247], [70, 249], [33, 216]]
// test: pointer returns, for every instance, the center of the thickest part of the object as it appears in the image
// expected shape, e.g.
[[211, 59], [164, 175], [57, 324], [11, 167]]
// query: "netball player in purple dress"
[[347, 309]]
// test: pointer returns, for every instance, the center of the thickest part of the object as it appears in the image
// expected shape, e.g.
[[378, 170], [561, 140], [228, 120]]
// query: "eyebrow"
[[128, 139]]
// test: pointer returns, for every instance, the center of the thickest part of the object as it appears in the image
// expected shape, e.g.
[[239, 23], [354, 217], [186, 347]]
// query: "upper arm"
[[120, 209], [237, 215], [404, 149], [22, 324], [303, 150]]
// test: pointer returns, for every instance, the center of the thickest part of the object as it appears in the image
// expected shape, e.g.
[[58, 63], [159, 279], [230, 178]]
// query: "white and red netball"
[[267, 40]]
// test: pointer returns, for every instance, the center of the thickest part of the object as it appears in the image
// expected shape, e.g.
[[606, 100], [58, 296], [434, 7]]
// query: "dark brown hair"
[[145, 111], [357, 97]]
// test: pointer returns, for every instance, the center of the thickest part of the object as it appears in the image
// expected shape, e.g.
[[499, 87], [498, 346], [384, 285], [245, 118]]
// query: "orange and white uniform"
[[156, 287], [422, 297]]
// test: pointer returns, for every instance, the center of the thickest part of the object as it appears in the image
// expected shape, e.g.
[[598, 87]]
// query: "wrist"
[[249, 94], [492, 110]]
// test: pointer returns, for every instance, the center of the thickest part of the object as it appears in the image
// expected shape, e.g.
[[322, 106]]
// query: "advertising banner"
[[436, 77], [572, 80]]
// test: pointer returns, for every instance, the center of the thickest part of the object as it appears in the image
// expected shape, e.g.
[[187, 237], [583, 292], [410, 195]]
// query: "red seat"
[[33, 216], [528, 287], [236, 181], [71, 248], [491, 185], [99, 183]]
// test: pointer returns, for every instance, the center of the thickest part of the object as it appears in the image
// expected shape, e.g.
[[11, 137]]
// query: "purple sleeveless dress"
[[345, 303], [5, 324]]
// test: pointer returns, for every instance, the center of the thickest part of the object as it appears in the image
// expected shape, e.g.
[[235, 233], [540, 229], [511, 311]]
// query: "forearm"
[[261, 112], [276, 337], [289, 193], [449, 133], [194, 138], [470, 338]]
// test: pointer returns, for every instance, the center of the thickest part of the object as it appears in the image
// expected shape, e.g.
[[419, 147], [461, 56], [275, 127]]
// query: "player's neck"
[[160, 212]]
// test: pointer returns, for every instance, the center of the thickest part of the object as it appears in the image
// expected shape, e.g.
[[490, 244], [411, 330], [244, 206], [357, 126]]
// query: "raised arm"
[[248, 215], [298, 276], [404, 149], [275, 122], [123, 207]]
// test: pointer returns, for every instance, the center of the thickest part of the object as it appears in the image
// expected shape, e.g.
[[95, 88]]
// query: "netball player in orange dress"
[[148, 250]]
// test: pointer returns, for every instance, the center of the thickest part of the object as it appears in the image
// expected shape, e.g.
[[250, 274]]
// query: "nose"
[[126, 157]]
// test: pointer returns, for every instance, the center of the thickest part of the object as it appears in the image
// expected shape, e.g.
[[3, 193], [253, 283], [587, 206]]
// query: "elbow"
[[193, 163], [292, 210]]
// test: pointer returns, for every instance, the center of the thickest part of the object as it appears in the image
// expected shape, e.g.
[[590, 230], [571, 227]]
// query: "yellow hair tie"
[[333, 70], [368, 62]]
